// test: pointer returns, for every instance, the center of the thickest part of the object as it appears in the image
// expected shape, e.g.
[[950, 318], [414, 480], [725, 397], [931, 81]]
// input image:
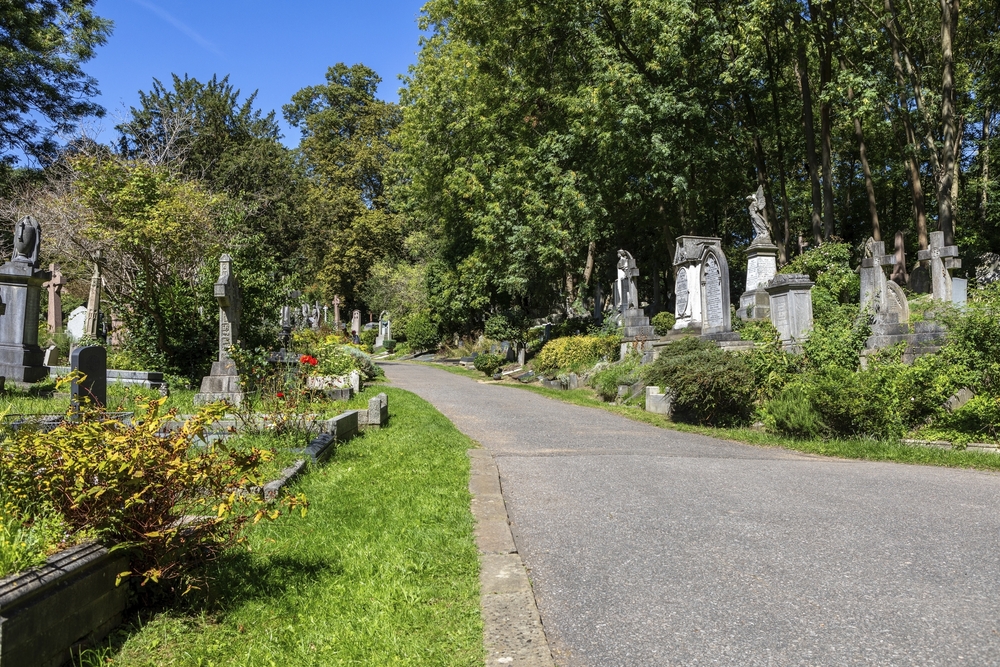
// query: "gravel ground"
[[651, 547]]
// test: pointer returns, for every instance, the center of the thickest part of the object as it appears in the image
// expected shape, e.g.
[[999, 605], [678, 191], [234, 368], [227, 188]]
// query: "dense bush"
[[607, 380], [489, 363], [510, 326], [389, 345], [130, 485], [713, 387], [368, 337], [663, 323], [575, 352], [422, 333], [792, 413]]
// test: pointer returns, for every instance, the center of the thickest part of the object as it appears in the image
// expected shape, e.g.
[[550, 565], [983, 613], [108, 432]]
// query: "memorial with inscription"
[[714, 281], [224, 382], [21, 280], [943, 260], [791, 306], [688, 258], [637, 330]]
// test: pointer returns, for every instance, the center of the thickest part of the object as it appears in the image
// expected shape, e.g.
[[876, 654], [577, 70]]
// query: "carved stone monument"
[[762, 263], [714, 279], [336, 313], [54, 287], [687, 287], [384, 329], [92, 326], [224, 381], [356, 322], [943, 259], [21, 360], [637, 327], [791, 306]]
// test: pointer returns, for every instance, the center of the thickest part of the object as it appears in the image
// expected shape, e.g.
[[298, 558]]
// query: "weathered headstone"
[[92, 361], [21, 360], [54, 287], [660, 403], [791, 306], [91, 327], [336, 313], [356, 322], [636, 325], [224, 381], [687, 286], [51, 357], [883, 299], [714, 279], [943, 259], [384, 329], [76, 323], [762, 263]]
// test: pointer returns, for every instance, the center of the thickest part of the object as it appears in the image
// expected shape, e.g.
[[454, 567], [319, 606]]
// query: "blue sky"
[[275, 48]]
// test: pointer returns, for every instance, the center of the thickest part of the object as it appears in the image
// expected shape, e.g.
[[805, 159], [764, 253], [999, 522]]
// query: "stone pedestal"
[[762, 266], [21, 360], [223, 384], [791, 306]]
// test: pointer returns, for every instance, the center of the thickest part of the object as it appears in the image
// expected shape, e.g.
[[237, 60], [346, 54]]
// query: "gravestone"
[[384, 329], [714, 280], [791, 306], [687, 286], [634, 320], [21, 360], [336, 313], [92, 361], [224, 381], [356, 322], [54, 287], [51, 357], [762, 263], [943, 259], [75, 323], [91, 327], [883, 299]]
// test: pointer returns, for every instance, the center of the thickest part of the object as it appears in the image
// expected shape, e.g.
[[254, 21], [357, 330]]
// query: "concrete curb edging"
[[512, 627]]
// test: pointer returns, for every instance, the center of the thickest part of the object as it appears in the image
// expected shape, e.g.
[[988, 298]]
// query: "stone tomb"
[[943, 260], [790, 298], [687, 287], [92, 361], [21, 359], [762, 267], [224, 381]]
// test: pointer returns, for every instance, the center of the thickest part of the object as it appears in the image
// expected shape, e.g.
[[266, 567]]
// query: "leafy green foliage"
[[489, 364], [422, 333], [663, 322], [712, 387], [576, 352], [130, 485], [607, 380], [25, 540], [792, 413], [368, 337], [510, 326]]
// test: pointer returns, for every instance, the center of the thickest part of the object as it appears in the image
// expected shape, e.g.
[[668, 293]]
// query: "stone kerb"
[[72, 600], [377, 414]]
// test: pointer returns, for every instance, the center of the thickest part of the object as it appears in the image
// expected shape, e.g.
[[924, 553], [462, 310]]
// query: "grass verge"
[[382, 571], [869, 450]]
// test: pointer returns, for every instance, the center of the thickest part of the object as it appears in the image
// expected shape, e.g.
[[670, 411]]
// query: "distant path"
[[652, 547]]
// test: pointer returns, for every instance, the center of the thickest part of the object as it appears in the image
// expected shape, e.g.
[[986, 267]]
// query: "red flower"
[[306, 359], [280, 394]]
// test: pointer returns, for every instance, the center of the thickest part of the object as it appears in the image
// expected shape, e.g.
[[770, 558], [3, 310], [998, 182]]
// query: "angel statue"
[[758, 206]]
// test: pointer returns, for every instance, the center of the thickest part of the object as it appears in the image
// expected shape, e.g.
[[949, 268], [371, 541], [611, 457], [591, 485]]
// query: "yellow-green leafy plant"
[[573, 352], [171, 498]]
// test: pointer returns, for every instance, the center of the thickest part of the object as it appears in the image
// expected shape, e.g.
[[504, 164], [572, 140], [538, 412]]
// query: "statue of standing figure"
[[758, 216]]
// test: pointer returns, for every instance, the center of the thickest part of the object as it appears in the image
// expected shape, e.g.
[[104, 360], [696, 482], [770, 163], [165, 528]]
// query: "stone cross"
[[227, 292], [54, 286], [943, 259], [336, 313], [92, 323]]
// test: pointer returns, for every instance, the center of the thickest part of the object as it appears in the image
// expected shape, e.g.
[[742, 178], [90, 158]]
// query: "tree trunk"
[[984, 161], [588, 270], [946, 205], [859, 135], [802, 69], [783, 247]]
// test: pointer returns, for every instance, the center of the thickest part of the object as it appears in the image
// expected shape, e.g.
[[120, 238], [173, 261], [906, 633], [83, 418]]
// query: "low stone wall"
[[377, 414], [72, 600], [147, 379]]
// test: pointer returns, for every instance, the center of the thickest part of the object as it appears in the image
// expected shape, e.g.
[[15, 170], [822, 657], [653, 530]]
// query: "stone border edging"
[[512, 627]]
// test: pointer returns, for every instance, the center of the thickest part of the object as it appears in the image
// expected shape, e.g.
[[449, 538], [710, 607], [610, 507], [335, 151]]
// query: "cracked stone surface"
[[646, 546]]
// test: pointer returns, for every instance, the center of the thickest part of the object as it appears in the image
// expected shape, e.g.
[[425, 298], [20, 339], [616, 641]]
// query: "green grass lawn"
[[382, 571], [870, 450]]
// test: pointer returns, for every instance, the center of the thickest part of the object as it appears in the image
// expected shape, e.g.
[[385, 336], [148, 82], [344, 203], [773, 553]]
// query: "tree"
[[345, 150], [43, 88]]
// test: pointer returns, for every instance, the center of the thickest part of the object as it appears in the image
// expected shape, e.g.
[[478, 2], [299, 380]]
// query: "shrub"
[[489, 363], [510, 326], [575, 352], [389, 345], [713, 387], [368, 337], [792, 413], [663, 323], [606, 381], [132, 485], [422, 333]]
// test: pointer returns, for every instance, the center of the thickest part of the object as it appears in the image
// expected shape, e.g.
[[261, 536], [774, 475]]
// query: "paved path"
[[652, 547]]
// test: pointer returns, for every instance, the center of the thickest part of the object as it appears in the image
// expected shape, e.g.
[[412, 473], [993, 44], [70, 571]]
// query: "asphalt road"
[[652, 547]]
